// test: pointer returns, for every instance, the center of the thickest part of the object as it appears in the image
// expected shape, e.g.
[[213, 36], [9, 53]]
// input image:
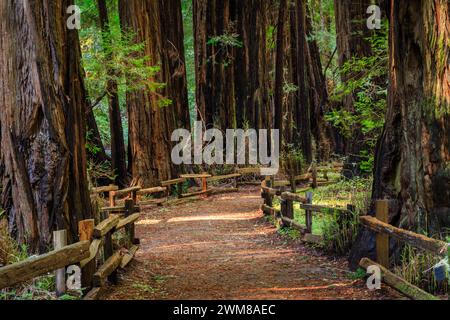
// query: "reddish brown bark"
[[232, 81], [279, 67], [118, 153], [43, 159], [158, 24], [413, 154]]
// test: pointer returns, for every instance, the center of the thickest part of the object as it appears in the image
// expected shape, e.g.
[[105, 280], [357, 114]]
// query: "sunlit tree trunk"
[[232, 80], [413, 155], [43, 159], [158, 24]]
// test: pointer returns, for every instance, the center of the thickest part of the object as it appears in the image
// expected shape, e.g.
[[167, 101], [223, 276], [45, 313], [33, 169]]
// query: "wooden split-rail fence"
[[378, 224], [384, 232], [285, 215], [95, 254], [161, 194]]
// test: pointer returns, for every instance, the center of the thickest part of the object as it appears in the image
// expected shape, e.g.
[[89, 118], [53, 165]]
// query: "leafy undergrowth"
[[42, 288], [338, 234]]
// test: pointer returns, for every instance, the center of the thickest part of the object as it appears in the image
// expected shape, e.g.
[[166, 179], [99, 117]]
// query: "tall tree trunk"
[[118, 152], [303, 111], [413, 155], [232, 80], [215, 93], [321, 130], [352, 34], [279, 68], [157, 24], [43, 159]]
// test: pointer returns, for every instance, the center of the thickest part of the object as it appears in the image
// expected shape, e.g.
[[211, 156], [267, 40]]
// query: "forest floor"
[[223, 248]]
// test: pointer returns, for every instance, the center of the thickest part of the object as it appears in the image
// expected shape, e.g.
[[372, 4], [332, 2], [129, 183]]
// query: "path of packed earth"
[[223, 248]]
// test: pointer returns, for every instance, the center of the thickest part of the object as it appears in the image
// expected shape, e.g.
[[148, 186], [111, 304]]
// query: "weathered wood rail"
[[378, 225], [161, 194], [384, 231], [85, 254], [286, 215]]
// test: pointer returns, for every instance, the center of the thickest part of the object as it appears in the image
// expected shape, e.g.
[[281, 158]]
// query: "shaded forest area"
[[97, 106]]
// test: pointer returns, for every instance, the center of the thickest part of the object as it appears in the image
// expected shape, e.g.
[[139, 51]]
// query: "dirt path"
[[221, 248]]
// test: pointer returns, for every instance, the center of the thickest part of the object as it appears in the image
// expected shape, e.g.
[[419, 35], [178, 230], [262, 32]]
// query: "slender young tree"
[[152, 119], [303, 111], [43, 158], [118, 152], [279, 67], [413, 155]]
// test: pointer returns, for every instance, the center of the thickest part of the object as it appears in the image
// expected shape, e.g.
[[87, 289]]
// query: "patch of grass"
[[339, 232], [291, 233], [41, 288], [358, 274], [145, 288], [161, 279], [415, 266]]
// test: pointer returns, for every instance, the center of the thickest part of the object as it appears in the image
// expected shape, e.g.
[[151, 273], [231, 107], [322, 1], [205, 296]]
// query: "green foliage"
[[114, 56], [271, 37], [358, 274], [188, 25], [366, 82], [415, 267], [224, 43], [226, 40], [339, 232], [291, 233]]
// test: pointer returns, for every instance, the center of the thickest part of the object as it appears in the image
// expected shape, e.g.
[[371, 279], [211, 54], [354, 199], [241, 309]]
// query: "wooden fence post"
[[112, 198], [108, 249], [314, 176], [287, 208], [180, 190], [86, 233], [59, 242], [309, 214], [382, 240], [130, 229]]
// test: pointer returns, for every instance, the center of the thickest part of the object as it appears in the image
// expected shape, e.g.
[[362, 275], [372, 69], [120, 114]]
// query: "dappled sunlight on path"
[[222, 248]]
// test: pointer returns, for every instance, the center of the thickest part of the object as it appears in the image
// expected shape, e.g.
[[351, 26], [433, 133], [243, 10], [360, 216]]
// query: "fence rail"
[[384, 231], [378, 224], [83, 253]]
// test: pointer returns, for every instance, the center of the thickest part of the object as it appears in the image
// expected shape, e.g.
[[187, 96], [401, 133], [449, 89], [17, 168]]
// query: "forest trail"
[[222, 248]]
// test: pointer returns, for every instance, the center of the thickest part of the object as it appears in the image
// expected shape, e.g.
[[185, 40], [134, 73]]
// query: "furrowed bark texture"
[[118, 152], [412, 166], [159, 25], [43, 158], [232, 79], [352, 34]]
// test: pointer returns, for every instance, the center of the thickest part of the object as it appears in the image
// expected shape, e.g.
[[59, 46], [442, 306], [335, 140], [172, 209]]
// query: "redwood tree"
[[352, 42], [231, 63], [43, 159], [118, 153], [413, 155], [157, 24]]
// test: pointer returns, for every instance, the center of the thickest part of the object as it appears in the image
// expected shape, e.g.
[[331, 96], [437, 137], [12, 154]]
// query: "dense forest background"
[[341, 79]]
